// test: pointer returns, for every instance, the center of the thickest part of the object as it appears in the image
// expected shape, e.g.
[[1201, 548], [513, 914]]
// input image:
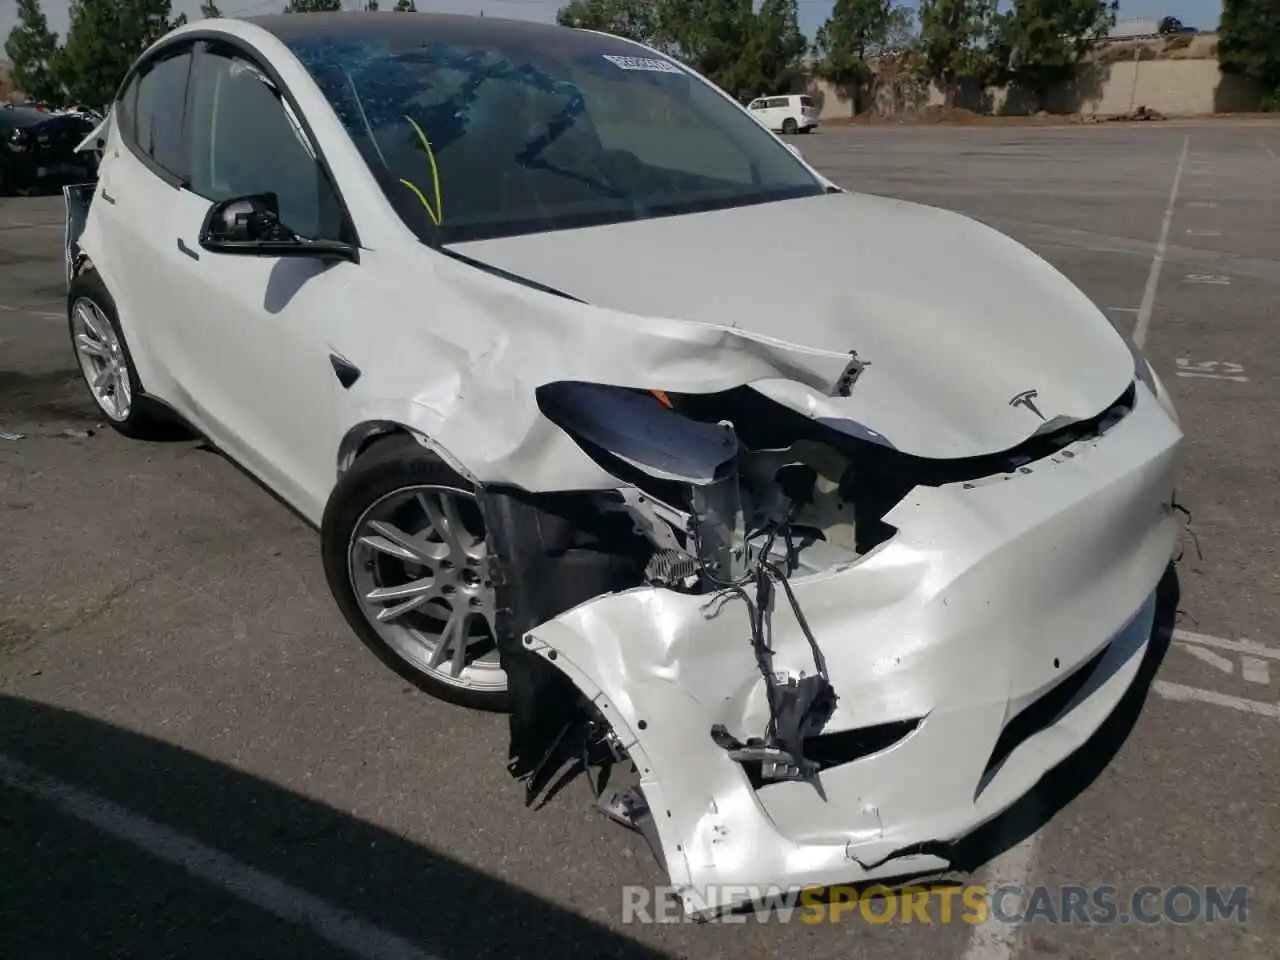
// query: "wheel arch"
[[359, 438]]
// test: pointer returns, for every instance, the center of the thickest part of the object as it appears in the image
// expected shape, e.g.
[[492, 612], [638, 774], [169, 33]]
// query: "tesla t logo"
[[1027, 398]]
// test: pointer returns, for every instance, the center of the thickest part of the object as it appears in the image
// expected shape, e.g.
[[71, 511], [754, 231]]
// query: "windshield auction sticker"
[[651, 64]]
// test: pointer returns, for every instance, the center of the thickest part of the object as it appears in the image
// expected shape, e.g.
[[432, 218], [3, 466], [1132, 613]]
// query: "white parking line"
[[1215, 660], [332, 923], [29, 226], [1162, 248], [994, 939], [1249, 647], [7, 308], [1268, 149], [1178, 692], [1255, 671], [1253, 667]]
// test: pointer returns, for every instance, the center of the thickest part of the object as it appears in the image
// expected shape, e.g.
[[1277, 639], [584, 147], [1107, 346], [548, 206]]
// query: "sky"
[[1194, 13]]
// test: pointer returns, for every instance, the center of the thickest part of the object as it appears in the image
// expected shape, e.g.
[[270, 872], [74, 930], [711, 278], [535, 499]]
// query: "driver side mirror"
[[251, 226]]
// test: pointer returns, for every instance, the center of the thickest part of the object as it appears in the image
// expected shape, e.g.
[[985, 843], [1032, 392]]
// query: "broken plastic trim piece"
[[719, 527], [629, 808], [844, 384]]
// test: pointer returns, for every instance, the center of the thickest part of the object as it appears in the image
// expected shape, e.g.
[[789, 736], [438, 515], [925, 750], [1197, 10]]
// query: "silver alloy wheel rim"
[[101, 359], [419, 565]]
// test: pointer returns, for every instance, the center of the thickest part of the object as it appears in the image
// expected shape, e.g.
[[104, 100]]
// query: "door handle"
[[108, 197], [348, 373], [187, 250]]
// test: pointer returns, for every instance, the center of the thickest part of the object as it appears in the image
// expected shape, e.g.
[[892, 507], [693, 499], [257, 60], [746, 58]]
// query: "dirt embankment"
[[960, 117]]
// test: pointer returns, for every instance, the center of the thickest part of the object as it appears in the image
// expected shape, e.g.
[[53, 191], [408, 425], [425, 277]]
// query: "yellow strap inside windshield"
[[436, 213]]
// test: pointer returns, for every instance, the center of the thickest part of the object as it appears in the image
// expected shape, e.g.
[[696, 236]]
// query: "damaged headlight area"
[[726, 495]]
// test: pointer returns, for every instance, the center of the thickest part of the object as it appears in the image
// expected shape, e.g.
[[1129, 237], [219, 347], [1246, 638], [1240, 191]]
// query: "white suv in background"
[[794, 113]]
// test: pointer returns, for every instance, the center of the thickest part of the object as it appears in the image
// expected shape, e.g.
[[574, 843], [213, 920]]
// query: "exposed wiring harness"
[[800, 708]]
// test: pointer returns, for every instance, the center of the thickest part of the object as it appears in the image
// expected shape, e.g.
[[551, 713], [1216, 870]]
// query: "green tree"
[[952, 33], [312, 6], [775, 48], [712, 36], [104, 39], [1249, 45], [897, 68], [406, 6], [1037, 44], [32, 49], [210, 9], [371, 5], [638, 20], [856, 31]]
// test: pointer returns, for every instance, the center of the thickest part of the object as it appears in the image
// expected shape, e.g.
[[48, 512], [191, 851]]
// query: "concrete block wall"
[[1174, 87]]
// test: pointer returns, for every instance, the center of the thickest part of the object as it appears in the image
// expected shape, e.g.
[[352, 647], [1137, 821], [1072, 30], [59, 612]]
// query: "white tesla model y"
[[807, 543]]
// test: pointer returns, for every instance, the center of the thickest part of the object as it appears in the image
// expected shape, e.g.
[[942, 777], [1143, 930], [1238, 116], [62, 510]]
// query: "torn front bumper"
[[997, 599]]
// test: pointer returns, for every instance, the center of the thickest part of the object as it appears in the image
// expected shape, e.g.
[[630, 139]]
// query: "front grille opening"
[[846, 746], [830, 750], [1038, 716]]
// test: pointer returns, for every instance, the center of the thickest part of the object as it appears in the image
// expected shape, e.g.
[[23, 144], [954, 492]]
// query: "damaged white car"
[[842, 554]]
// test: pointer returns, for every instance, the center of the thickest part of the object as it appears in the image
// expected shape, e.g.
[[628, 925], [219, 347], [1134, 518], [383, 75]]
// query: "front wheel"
[[405, 555]]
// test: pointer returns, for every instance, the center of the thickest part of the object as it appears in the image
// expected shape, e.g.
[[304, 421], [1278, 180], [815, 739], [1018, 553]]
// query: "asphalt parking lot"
[[197, 759]]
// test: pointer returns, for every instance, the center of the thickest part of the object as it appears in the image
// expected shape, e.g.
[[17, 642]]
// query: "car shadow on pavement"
[[68, 889], [1075, 774]]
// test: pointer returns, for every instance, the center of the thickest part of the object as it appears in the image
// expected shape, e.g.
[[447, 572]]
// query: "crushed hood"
[[953, 319]]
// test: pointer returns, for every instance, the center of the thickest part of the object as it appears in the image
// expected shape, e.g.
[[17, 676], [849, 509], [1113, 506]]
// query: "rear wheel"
[[789, 125], [106, 364], [406, 558]]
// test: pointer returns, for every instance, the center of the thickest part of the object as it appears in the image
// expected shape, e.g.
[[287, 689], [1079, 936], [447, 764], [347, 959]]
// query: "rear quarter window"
[[153, 122]]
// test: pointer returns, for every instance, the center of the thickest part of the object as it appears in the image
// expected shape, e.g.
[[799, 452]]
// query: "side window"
[[779, 102], [126, 108], [156, 114], [245, 139], [756, 105]]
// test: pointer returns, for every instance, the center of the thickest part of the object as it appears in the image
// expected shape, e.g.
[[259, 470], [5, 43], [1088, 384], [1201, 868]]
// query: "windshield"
[[538, 130]]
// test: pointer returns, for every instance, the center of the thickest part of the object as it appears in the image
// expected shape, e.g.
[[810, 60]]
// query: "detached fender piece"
[[77, 198], [97, 138]]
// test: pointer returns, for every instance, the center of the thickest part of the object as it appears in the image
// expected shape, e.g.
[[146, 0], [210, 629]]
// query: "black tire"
[[789, 126], [393, 463], [147, 419]]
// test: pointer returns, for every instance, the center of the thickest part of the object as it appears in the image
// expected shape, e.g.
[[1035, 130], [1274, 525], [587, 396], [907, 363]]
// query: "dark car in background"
[[39, 148]]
